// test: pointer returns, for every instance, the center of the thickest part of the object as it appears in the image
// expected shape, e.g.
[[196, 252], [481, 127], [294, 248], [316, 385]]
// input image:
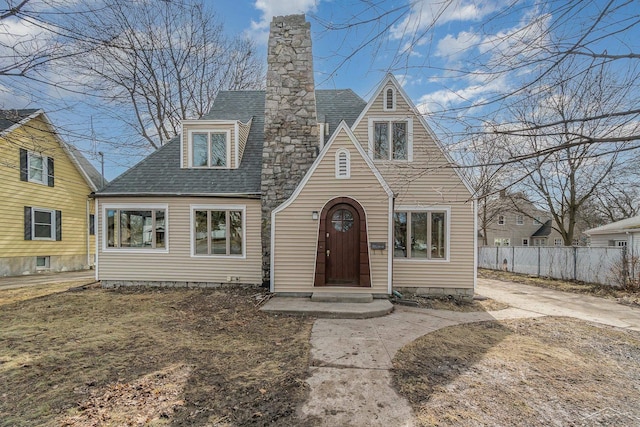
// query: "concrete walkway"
[[556, 303], [351, 359], [14, 282]]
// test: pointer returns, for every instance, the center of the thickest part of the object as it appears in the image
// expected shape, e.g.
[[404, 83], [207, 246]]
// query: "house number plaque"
[[378, 246]]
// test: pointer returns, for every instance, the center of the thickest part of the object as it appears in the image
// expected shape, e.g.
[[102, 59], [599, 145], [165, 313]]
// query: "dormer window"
[[209, 149], [343, 164], [389, 99]]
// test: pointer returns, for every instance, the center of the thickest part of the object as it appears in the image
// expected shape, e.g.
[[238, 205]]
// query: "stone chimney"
[[290, 124]]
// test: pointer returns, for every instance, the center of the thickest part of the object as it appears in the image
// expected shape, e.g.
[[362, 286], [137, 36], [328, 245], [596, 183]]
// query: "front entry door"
[[342, 246]]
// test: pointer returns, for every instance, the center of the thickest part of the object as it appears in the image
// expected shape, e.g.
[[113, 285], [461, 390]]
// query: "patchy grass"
[[612, 292], [542, 371], [450, 303], [149, 357], [10, 296]]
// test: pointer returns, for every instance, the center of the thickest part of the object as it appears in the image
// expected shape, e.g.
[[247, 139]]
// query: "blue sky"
[[436, 52]]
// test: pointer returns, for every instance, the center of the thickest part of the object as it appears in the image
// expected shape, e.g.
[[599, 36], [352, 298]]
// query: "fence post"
[[497, 256], [513, 259], [575, 263], [538, 261], [625, 266]]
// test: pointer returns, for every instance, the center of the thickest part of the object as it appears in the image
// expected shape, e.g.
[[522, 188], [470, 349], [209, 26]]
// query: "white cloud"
[[259, 31], [427, 13], [453, 47]]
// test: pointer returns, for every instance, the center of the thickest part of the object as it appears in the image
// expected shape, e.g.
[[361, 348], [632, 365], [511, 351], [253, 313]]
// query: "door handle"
[[328, 252]]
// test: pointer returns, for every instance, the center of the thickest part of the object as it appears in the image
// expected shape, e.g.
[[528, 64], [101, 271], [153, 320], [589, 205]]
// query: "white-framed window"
[[218, 230], [37, 168], [209, 149], [43, 224], [501, 241], [525, 242], [501, 220], [421, 234], [343, 164], [557, 242], [135, 227], [391, 138], [539, 241], [389, 99], [537, 221], [43, 262], [519, 219]]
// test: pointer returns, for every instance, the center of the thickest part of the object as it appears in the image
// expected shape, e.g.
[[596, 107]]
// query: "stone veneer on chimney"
[[290, 124]]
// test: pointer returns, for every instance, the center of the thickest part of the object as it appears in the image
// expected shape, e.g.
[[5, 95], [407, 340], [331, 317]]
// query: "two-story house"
[[45, 213], [513, 220], [306, 190]]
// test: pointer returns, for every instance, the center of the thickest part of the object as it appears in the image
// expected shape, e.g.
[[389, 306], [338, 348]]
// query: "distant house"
[[513, 220], [45, 212], [625, 233], [310, 191]]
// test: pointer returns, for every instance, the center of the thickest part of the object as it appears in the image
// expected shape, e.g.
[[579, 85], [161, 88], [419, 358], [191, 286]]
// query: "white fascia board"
[[323, 152], [21, 122]]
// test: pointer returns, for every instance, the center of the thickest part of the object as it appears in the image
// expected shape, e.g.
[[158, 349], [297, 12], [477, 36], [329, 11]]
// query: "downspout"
[[88, 233]]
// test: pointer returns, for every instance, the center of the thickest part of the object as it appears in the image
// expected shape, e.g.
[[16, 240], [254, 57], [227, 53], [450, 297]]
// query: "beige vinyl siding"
[[427, 181], [296, 233], [243, 131], [69, 195], [178, 264], [208, 127]]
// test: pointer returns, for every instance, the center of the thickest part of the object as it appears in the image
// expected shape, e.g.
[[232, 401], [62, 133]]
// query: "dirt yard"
[[545, 371], [148, 357]]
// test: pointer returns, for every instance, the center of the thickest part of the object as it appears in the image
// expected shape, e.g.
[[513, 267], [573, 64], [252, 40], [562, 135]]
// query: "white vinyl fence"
[[586, 264]]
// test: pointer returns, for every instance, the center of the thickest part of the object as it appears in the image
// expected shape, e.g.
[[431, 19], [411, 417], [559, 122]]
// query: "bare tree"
[[166, 61], [564, 178]]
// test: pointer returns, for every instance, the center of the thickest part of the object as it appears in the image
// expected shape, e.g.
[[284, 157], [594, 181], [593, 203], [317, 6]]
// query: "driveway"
[[550, 302], [14, 282]]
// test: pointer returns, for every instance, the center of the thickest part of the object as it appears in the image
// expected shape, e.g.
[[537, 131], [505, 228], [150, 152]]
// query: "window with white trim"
[[343, 164], [36, 167], [539, 241], [218, 231], [525, 242], [502, 241], [537, 221], [130, 228], [43, 224], [389, 99], [519, 219], [421, 234], [391, 138], [558, 242], [209, 149], [501, 220]]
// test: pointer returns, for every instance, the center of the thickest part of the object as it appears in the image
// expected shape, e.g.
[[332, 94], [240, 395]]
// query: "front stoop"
[[331, 309], [338, 297]]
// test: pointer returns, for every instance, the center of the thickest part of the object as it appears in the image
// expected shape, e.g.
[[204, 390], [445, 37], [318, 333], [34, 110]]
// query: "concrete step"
[[339, 297], [334, 310]]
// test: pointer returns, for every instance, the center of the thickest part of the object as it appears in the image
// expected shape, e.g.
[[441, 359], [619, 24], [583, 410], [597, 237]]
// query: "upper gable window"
[[209, 149], [391, 139], [35, 167], [389, 99], [343, 164]]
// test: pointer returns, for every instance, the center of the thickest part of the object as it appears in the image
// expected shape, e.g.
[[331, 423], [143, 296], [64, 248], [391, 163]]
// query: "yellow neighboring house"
[[45, 212]]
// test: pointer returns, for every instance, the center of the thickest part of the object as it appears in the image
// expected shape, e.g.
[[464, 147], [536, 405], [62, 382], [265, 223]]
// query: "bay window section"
[[420, 235], [218, 232], [136, 228]]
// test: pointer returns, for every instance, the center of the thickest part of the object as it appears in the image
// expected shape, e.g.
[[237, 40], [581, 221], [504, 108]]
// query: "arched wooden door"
[[342, 246]]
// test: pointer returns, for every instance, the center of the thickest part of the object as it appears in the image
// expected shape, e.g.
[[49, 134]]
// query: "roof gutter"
[[221, 195]]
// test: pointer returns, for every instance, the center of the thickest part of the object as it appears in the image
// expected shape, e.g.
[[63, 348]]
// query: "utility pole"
[[101, 154]]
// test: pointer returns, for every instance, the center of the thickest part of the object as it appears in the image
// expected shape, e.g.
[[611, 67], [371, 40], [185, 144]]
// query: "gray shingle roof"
[[160, 172], [90, 171], [9, 118], [544, 230]]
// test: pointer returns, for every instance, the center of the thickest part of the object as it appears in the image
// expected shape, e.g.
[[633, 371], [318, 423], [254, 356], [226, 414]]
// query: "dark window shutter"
[[92, 224], [27, 223], [23, 165], [50, 170], [58, 225]]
